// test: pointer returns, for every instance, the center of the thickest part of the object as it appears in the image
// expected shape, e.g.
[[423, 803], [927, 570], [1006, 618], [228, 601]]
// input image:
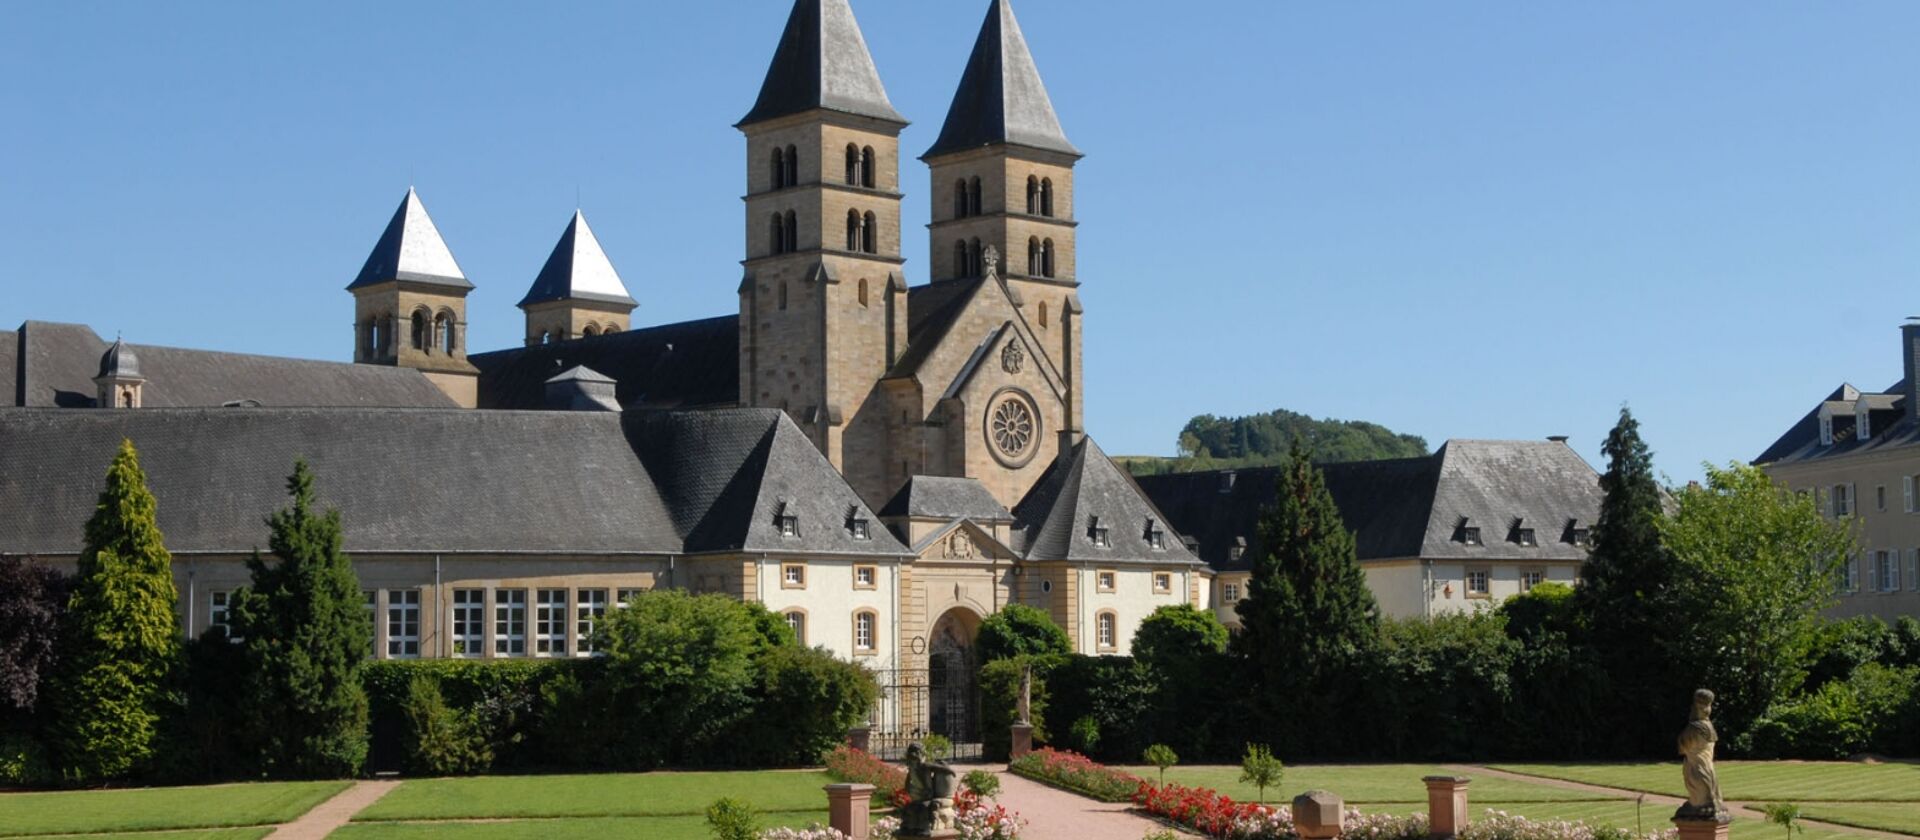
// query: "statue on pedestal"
[[1696, 768], [931, 786], [1026, 695]]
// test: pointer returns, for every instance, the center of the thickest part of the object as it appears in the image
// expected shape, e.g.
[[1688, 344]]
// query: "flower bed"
[[850, 765], [1214, 815], [1077, 773]]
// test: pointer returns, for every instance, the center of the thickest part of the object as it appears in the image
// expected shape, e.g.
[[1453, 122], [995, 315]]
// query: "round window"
[[1012, 428], [1046, 586]]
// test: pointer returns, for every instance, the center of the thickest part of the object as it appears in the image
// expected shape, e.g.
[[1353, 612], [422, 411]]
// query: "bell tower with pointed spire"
[[1003, 179], [823, 301], [410, 305], [577, 294]]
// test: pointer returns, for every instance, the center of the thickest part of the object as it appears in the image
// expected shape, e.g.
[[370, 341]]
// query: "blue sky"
[[1475, 220]]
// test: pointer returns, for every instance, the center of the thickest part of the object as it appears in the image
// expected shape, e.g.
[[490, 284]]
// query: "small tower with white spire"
[[577, 294], [410, 304]]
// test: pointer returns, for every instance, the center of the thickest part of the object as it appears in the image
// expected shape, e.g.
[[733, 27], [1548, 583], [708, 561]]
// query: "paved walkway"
[[1054, 814], [334, 813]]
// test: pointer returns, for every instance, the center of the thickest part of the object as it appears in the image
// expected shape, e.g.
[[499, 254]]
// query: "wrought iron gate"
[[940, 700]]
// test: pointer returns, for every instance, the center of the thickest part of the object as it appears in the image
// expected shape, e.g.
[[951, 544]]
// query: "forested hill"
[[1209, 442]]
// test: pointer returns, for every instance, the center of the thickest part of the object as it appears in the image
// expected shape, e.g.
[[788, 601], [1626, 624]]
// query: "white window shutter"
[[1853, 500], [1872, 572], [1906, 483], [1913, 570]]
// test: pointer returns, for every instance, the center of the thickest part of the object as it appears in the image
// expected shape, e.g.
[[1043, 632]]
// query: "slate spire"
[[1001, 98], [411, 249], [822, 62], [578, 270]]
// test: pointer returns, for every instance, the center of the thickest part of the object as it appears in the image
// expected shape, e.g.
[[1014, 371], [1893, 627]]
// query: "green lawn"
[[1903, 817], [191, 834], [1754, 781], [619, 795], [150, 809], [602, 828], [1360, 783]]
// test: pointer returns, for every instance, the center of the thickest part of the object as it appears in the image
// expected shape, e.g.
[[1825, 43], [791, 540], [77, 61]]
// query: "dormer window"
[[857, 526], [1582, 537], [1826, 429], [1862, 424], [1238, 550], [787, 520], [1097, 533], [1523, 535], [1156, 536], [1466, 534]]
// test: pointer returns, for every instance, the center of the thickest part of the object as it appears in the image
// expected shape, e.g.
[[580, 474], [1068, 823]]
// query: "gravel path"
[[1054, 814], [334, 813]]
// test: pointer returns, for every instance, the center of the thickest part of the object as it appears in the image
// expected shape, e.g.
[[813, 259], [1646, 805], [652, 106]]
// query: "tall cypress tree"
[[1626, 585], [1309, 616], [305, 633], [120, 652]]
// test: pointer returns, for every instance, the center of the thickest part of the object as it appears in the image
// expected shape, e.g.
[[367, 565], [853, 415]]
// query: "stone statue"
[[1026, 695], [1696, 768], [931, 786]]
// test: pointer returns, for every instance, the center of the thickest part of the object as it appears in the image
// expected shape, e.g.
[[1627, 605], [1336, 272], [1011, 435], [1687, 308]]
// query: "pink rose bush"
[[1077, 773], [1215, 815]]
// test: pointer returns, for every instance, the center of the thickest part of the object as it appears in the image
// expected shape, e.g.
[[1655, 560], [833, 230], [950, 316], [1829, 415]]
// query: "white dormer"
[[1862, 420], [1826, 425]]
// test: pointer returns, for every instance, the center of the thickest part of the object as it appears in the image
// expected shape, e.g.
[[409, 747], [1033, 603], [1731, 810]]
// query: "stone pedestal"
[[1318, 815], [847, 809], [1446, 804], [1702, 829], [860, 738], [1022, 740]]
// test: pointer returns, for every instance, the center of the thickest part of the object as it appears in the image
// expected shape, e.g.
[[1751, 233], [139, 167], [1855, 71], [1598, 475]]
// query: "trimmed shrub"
[[807, 700], [502, 697], [439, 740], [1000, 703], [1020, 630]]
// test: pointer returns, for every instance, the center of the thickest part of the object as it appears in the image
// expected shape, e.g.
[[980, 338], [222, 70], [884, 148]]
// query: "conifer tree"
[[304, 627], [1308, 615], [120, 651]]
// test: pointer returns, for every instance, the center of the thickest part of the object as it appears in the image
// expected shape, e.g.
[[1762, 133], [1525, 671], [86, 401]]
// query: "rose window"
[[1012, 427]]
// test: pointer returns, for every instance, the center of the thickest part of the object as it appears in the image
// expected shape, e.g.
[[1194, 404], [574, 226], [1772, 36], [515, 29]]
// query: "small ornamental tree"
[[1161, 756], [1260, 769], [1020, 630], [304, 623], [33, 597], [1177, 635], [120, 649]]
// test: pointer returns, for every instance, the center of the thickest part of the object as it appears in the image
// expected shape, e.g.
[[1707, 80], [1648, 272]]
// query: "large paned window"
[[469, 622], [218, 605], [866, 632], [550, 623], [510, 622], [588, 610], [1479, 583], [625, 595], [403, 623], [797, 621], [1107, 630]]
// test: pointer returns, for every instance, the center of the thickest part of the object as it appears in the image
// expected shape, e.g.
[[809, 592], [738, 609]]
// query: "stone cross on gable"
[[992, 261]]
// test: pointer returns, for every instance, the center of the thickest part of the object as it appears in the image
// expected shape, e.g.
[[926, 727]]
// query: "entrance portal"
[[951, 673]]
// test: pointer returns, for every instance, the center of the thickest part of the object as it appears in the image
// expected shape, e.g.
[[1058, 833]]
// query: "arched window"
[[777, 236], [1043, 314], [778, 176], [976, 260], [610, 329], [793, 231], [546, 337], [853, 230], [590, 331], [1046, 258], [447, 331], [853, 165], [960, 199], [866, 632], [797, 622], [370, 338], [973, 196], [1033, 195], [1033, 256], [960, 268], [866, 167], [1106, 630], [870, 234], [421, 340], [1046, 197], [793, 166], [863, 291]]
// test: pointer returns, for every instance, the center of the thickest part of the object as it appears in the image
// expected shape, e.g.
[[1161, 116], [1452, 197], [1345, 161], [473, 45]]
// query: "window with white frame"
[[1162, 582], [403, 623], [469, 620], [793, 576], [1880, 497], [1850, 575], [218, 604], [866, 632], [1230, 592], [368, 597], [797, 622], [1886, 571], [1531, 578], [1842, 496], [589, 608], [550, 622], [1478, 582], [622, 597], [1103, 581], [865, 577], [1106, 630], [510, 622]]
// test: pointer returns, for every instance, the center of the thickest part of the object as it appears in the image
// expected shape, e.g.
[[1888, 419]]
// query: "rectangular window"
[[1531, 578], [864, 632], [793, 576], [859, 529], [510, 622], [403, 623], [373, 621], [1842, 496], [1850, 579], [797, 622], [1162, 582], [1107, 631], [1886, 571], [217, 606], [1103, 581], [587, 612], [1470, 535], [1582, 536], [1880, 497], [1478, 583], [865, 577], [469, 622], [624, 596], [550, 622], [1230, 593], [789, 525], [1525, 537]]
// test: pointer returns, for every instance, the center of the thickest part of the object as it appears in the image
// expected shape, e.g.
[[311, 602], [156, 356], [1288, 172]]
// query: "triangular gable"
[[578, 269], [411, 249], [964, 525]]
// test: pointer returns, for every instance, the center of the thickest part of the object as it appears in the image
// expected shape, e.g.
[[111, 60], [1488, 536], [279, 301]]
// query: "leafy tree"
[[1210, 442], [1161, 756], [1308, 616], [681, 669], [1181, 650], [306, 637], [440, 740], [120, 648], [807, 700], [1260, 769], [1784, 814], [1177, 635], [1020, 630], [33, 597], [1755, 565], [1625, 598]]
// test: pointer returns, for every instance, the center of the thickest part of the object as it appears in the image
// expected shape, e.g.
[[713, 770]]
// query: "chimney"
[[582, 389], [1557, 438], [1910, 362]]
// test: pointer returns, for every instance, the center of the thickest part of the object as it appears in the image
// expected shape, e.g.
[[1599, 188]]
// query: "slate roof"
[[1886, 418], [9, 369], [822, 62], [1057, 514], [1001, 98], [411, 249], [690, 364], [58, 363], [578, 269], [445, 481], [1408, 507], [119, 360], [932, 310], [943, 497]]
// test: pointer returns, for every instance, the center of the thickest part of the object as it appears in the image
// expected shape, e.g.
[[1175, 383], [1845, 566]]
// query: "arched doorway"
[[953, 701]]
